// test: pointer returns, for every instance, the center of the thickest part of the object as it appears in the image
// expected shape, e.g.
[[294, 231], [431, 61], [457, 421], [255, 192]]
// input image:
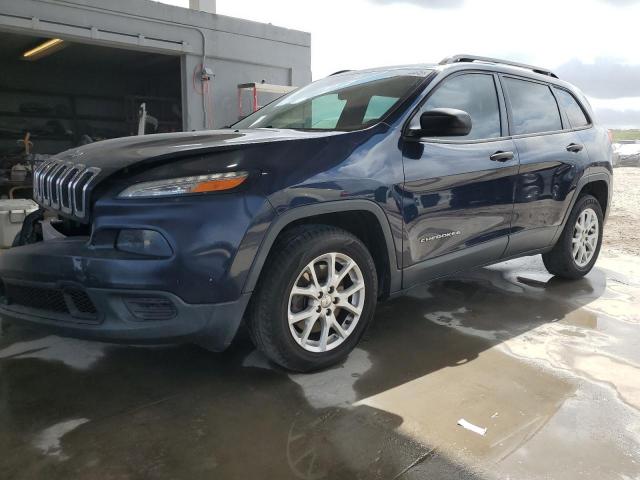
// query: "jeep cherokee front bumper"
[[64, 287]]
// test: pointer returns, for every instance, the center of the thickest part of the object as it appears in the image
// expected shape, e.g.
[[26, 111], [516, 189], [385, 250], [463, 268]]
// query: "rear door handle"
[[574, 147], [501, 156]]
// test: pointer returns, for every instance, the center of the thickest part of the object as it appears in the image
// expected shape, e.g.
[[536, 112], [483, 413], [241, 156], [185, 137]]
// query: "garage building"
[[76, 71]]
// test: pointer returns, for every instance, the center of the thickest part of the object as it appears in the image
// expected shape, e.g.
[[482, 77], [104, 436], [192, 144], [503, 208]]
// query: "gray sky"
[[591, 43]]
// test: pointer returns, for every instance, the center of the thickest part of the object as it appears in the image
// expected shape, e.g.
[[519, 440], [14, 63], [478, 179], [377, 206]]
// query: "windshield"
[[348, 101]]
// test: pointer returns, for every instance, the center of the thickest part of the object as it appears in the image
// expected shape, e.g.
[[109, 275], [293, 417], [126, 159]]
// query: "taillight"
[[610, 133]]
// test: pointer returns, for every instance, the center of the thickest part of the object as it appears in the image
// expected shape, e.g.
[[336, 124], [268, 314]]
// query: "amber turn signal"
[[218, 185]]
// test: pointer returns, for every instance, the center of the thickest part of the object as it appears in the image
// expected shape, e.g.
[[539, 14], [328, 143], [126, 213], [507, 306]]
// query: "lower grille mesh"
[[71, 301], [36, 297], [81, 301]]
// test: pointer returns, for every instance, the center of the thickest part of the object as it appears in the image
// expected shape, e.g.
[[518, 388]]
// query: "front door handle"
[[574, 147], [501, 156]]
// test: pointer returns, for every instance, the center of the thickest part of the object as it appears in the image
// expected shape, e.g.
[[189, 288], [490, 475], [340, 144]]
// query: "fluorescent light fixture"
[[46, 48]]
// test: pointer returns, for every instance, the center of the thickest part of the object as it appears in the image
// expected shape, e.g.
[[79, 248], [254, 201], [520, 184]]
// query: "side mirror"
[[443, 122]]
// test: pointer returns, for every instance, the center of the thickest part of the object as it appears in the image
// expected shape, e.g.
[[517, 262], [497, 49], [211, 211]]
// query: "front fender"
[[306, 211]]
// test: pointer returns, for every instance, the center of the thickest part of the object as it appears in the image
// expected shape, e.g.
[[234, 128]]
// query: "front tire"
[[316, 296], [578, 247]]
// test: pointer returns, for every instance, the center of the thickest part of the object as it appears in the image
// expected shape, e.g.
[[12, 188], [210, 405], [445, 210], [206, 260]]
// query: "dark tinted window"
[[533, 106], [475, 94], [570, 106]]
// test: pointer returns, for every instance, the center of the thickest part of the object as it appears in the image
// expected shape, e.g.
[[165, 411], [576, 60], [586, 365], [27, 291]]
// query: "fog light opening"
[[150, 308], [143, 242]]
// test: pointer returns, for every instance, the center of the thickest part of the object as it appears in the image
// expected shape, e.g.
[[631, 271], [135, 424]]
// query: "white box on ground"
[[12, 214]]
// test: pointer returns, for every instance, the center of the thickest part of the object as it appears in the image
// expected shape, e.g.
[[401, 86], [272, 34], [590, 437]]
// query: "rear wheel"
[[316, 296], [578, 247]]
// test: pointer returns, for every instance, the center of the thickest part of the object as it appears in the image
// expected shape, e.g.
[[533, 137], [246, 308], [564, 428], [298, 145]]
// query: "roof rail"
[[339, 72], [475, 58]]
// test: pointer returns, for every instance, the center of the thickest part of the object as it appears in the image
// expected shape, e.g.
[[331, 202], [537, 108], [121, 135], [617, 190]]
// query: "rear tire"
[[578, 247], [304, 323]]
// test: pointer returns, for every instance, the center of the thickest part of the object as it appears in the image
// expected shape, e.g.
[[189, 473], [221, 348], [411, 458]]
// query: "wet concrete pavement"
[[550, 368]]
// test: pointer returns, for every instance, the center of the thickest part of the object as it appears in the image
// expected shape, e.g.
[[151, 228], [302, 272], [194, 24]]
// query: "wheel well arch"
[[600, 190], [362, 218], [363, 225]]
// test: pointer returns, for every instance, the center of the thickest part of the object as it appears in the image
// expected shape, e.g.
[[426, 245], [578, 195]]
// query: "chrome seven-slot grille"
[[64, 186]]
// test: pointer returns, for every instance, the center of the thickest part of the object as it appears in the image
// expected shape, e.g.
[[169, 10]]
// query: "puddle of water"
[[257, 360], [511, 399], [543, 365], [563, 353], [334, 387], [452, 320], [78, 354], [48, 441]]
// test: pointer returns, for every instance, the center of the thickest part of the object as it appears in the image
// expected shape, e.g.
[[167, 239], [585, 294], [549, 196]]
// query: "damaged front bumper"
[[64, 287]]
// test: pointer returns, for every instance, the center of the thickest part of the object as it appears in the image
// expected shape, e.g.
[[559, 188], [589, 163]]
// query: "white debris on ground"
[[471, 427]]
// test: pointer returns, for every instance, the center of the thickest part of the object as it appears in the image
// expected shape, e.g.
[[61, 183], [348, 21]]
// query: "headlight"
[[214, 182]]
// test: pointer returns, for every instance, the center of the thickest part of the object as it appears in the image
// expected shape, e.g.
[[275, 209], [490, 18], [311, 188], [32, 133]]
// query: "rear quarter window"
[[533, 107], [571, 108]]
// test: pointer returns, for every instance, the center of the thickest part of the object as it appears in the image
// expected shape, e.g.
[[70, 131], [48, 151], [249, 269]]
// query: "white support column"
[[192, 110], [203, 5]]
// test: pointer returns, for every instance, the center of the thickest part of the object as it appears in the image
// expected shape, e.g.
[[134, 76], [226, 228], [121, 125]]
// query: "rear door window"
[[571, 108], [533, 107]]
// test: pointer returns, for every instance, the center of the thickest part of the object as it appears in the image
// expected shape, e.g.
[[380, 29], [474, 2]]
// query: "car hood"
[[116, 154]]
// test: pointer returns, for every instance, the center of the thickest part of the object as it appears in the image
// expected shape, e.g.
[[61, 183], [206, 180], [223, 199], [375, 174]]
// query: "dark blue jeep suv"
[[300, 217]]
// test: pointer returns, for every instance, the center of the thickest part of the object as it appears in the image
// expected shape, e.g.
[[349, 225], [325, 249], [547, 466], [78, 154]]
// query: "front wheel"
[[316, 296], [578, 247]]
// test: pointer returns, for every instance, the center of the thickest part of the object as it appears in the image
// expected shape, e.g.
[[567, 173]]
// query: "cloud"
[[429, 3], [621, 3], [618, 118], [458, 3], [606, 78]]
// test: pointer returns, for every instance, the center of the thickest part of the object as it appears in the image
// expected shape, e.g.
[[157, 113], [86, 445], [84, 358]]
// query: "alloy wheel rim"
[[585, 237], [326, 302]]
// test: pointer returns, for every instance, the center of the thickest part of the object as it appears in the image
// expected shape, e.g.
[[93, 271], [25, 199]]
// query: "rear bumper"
[[116, 319]]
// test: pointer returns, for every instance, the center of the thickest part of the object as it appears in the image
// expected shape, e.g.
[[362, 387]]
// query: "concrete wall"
[[238, 51]]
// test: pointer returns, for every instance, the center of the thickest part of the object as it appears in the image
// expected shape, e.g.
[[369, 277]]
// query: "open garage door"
[[68, 94]]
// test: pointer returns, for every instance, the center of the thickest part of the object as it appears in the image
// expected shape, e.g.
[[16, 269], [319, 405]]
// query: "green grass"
[[626, 134]]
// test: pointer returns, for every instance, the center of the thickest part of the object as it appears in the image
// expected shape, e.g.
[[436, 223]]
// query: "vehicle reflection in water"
[[390, 410]]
